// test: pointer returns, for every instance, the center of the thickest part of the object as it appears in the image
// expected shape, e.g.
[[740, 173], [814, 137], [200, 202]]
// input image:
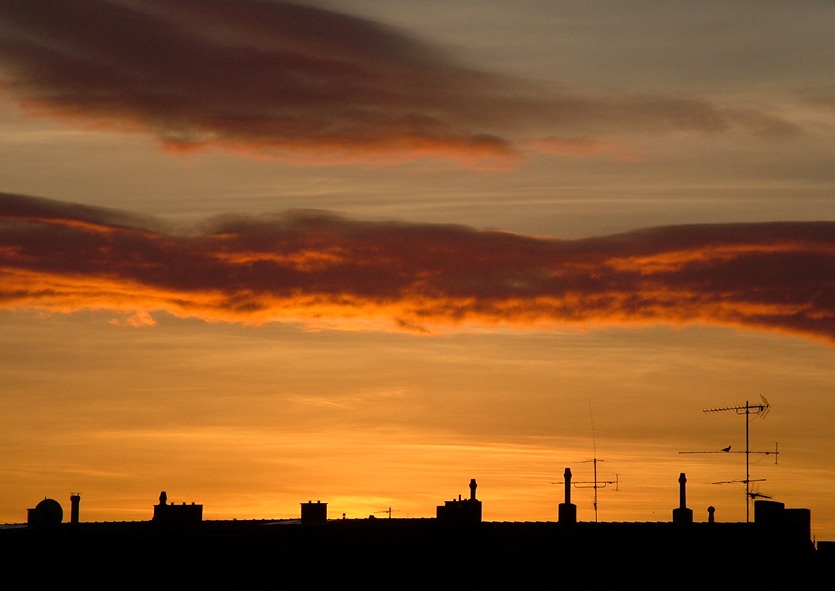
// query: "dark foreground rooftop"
[[177, 549], [411, 554]]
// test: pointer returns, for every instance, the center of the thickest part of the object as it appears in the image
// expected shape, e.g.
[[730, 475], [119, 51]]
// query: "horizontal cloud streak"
[[318, 268], [306, 84]]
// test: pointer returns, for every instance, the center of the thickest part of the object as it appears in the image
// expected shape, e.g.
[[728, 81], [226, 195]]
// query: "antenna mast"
[[595, 484], [389, 510], [748, 410]]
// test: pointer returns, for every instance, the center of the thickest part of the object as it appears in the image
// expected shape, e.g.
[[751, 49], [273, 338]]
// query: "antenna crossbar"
[[596, 483], [748, 410]]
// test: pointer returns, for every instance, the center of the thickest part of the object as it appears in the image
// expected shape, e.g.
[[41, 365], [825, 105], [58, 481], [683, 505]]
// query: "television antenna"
[[594, 484], [749, 411], [753, 494], [388, 511]]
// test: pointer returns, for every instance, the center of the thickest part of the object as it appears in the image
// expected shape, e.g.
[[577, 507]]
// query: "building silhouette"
[[178, 549], [461, 510], [167, 514]]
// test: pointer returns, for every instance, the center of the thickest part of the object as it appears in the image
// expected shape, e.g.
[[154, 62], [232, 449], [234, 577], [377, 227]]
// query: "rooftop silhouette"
[[177, 548]]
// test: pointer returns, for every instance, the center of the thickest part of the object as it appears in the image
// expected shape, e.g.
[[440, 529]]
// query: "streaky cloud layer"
[[310, 86], [324, 270]]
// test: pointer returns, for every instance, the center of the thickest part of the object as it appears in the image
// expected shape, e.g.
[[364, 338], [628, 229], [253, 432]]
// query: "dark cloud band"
[[312, 266], [292, 81]]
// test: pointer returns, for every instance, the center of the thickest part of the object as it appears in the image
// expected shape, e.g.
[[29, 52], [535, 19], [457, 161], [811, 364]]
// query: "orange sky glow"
[[259, 252]]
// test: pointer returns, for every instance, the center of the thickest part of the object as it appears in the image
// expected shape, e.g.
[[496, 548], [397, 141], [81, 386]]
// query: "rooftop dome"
[[47, 512]]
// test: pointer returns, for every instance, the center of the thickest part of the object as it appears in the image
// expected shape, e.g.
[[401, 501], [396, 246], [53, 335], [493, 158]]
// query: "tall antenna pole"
[[596, 484], [747, 411], [594, 459]]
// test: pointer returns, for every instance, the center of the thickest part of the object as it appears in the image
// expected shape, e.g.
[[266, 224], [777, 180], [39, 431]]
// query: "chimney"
[[567, 510], [567, 475], [682, 514], [75, 499]]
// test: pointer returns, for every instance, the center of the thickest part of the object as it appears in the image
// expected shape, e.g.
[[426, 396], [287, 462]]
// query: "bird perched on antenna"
[[726, 448]]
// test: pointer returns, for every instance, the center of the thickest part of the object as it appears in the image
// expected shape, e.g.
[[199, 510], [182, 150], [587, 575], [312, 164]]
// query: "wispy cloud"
[[318, 268], [308, 85]]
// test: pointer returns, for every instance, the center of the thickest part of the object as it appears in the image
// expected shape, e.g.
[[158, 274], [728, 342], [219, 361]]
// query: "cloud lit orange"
[[302, 83], [315, 267]]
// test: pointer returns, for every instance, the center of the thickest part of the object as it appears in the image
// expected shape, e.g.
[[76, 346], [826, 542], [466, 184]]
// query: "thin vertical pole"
[[747, 465], [595, 489]]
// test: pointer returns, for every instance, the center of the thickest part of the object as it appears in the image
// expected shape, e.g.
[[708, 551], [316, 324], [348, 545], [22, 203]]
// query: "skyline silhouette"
[[176, 546], [256, 252]]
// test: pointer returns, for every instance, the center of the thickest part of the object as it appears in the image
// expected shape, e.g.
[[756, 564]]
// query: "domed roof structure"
[[47, 512]]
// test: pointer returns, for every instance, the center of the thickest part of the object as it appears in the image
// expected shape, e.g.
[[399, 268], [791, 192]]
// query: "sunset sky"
[[256, 253]]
